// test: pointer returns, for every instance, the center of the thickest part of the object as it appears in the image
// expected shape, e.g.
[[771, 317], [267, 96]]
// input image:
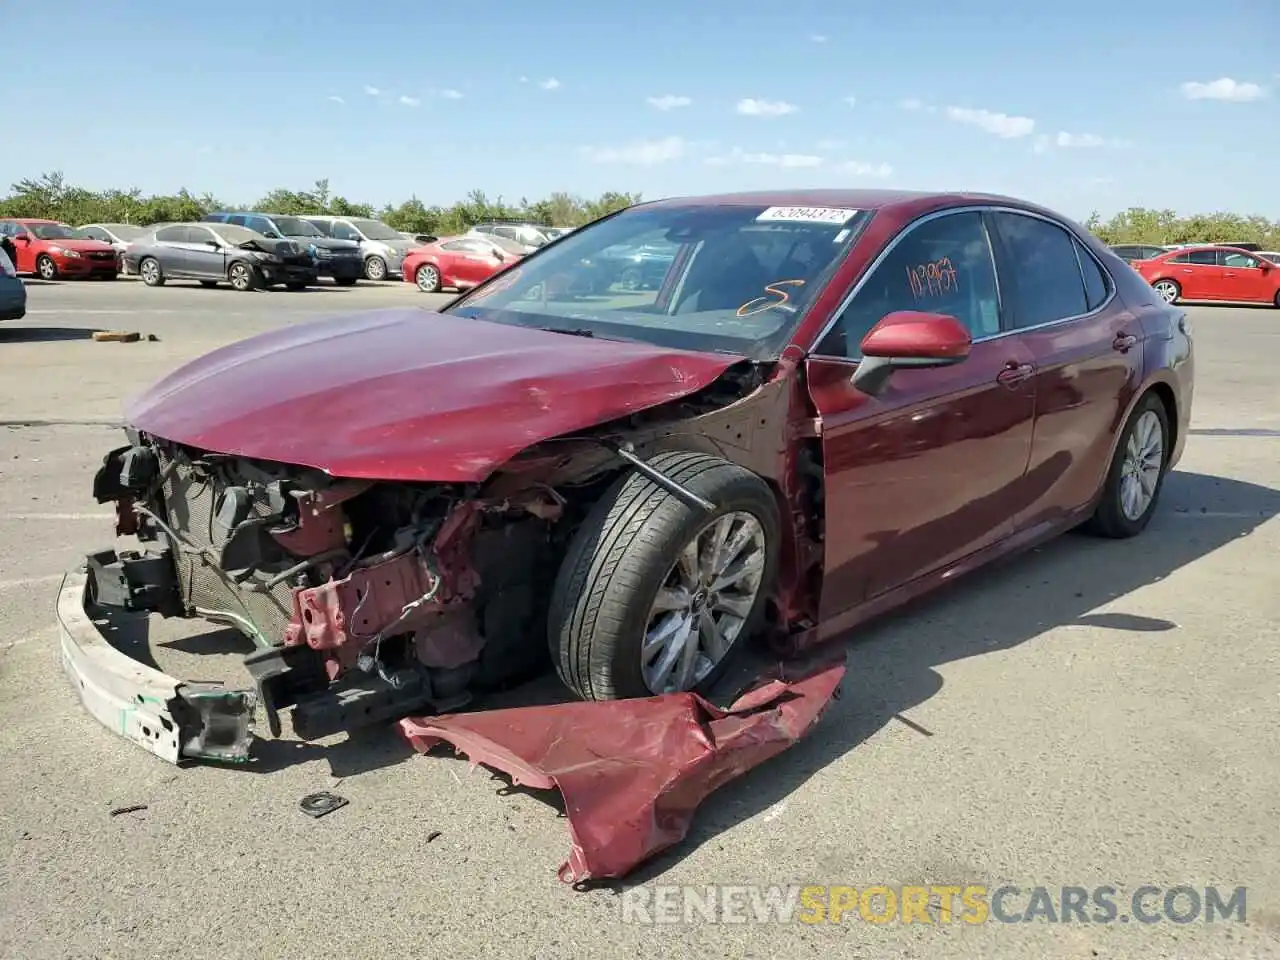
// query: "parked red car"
[[833, 402], [1212, 273], [51, 250], [458, 262]]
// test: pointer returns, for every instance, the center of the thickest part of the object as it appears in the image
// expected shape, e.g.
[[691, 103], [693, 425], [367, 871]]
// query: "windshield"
[[734, 279], [125, 231], [375, 230], [233, 234], [53, 231], [293, 227]]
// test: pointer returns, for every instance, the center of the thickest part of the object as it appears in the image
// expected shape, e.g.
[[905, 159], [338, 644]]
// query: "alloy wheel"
[[1140, 469]]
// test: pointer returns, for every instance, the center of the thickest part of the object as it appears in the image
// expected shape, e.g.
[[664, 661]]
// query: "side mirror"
[[1264, 264], [909, 339], [21, 238], [215, 244]]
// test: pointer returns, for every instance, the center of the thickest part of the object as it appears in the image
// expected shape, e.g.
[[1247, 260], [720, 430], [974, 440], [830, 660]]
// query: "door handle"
[[1187, 270], [1230, 273], [1014, 373], [1123, 342]]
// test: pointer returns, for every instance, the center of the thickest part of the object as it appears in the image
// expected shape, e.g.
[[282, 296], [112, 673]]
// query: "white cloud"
[[1065, 139], [878, 171], [451, 94], [851, 101], [410, 101], [668, 102], [645, 153], [371, 91], [337, 100], [786, 160], [749, 107], [1223, 89], [551, 83], [818, 37], [998, 124]]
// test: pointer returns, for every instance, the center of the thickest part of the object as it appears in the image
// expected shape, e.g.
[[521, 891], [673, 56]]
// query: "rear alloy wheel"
[[375, 268], [1132, 487], [427, 278], [150, 272], [241, 277], [1168, 290], [654, 596], [46, 268]]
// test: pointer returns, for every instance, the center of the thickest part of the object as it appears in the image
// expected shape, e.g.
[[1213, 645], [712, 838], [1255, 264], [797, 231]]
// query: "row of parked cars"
[[1228, 272], [250, 250]]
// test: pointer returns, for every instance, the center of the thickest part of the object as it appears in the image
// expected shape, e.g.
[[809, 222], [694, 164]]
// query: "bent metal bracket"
[[632, 772]]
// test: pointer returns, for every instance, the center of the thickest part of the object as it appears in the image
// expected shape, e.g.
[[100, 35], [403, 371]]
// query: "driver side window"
[[944, 265]]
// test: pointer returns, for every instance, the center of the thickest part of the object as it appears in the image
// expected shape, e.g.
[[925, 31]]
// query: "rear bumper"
[[168, 717]]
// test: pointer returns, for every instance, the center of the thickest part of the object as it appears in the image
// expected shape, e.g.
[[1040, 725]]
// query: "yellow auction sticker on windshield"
[[832, 215]]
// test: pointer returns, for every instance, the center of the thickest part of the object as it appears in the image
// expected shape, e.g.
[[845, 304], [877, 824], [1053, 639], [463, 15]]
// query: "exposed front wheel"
[[655, 596], [427, 278], [149, 270], [242, 277], [46, 269], [375, 268], [1168, 290], [1136, 476]]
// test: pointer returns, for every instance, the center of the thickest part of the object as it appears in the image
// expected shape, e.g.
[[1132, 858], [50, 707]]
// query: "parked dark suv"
[[337, 259]]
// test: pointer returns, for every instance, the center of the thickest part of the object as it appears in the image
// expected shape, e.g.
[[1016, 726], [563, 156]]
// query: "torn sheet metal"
[[632, 772]]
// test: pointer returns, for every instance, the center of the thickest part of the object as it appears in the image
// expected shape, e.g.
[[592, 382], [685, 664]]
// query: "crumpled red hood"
[[409, 394]]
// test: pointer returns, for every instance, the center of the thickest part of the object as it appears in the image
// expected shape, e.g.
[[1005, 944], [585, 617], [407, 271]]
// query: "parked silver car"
[[220, 252], [383, 249], [119, 235]]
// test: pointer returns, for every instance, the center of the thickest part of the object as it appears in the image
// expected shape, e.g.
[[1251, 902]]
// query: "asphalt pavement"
[[1092, 713]]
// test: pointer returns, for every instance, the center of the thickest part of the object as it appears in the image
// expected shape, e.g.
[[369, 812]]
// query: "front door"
[[1246, 278], [930, 470]]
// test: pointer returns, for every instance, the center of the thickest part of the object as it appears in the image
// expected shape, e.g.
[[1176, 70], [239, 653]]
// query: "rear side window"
[[1046, 284], [1097, 285], [1206, 258]]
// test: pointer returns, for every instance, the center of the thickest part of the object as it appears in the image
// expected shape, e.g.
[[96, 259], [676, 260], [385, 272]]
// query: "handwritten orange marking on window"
[[933, 279], [760, 304]]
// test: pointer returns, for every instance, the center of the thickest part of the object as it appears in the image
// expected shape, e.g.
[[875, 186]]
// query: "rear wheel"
[[654, 596], [1168, 290], [149, 270], [1132, 487], [46, 269], [427, 278], [375, 268]]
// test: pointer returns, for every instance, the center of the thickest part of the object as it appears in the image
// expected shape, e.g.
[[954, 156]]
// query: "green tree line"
[[51, 196]]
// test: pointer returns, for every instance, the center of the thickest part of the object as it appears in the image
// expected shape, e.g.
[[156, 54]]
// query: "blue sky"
[[1082, 105]]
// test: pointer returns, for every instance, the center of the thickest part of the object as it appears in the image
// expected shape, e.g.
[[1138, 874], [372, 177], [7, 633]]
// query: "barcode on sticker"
[[832, 215]]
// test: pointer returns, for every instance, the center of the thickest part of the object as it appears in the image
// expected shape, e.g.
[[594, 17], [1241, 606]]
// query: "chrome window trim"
[[981, 209]]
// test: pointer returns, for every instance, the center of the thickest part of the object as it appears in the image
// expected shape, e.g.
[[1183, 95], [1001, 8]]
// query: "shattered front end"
[[366, 600]]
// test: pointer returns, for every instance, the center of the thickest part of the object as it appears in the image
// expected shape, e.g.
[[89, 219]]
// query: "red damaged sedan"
[[832, 402], [459, 262], [53, 250]]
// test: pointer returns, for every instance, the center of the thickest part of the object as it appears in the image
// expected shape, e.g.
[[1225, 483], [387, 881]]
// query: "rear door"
[[205, 259], [1087, 348], [170, 249], [929, 470]]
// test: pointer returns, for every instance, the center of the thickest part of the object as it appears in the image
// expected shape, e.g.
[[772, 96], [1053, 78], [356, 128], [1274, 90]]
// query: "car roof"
[[865, 199], [28, 220]]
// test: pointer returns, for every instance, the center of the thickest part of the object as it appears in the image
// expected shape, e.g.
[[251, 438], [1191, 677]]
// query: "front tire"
[[149, 270], [427, 277], [654, 596], [1136, 476], [46, 269], [375, 269], [1168, 290], [242, 277]]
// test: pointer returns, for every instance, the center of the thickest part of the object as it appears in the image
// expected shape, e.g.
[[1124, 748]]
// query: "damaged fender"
[[632, 772]]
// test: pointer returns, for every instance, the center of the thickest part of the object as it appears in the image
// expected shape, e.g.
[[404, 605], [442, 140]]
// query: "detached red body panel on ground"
[[632, 772]]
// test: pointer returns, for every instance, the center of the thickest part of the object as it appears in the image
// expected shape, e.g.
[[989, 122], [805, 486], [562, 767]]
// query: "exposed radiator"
[[190, 503]]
